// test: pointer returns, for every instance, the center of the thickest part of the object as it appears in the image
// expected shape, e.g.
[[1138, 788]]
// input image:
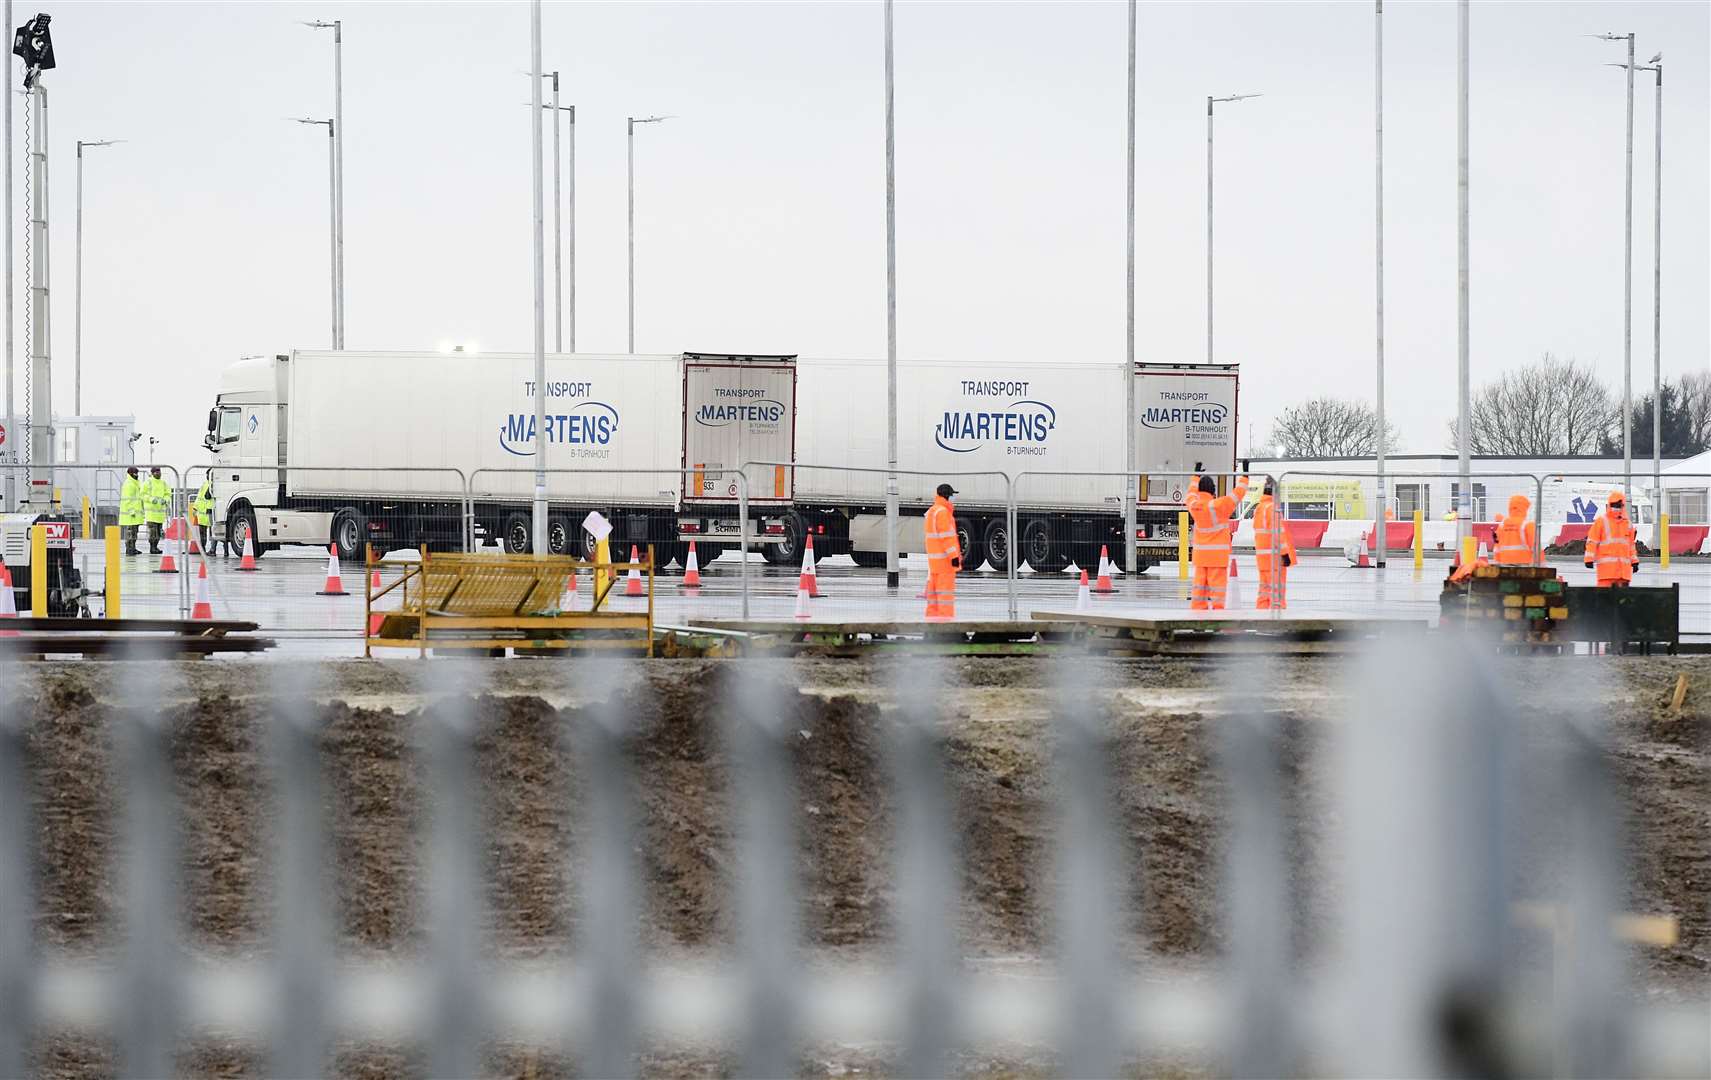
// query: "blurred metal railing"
[[1426, 978]]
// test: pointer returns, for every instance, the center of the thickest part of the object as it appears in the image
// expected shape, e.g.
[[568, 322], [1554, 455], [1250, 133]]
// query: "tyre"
[[239, 524], [350, 534], [995, 544], [869, 560], [514, 538], [788, 551], [1041, 548], [968, 536], [561, 535]]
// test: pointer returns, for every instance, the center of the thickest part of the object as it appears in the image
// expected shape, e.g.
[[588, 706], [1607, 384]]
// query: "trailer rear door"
[[739, 409]]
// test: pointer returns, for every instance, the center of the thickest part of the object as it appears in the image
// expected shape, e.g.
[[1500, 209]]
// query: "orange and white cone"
[[195, 548], [1103, 585], [633, 580], [167, 565], [334, 586], [203, 609], [567, 600], [1082, 598], [374, 579], [802, 611], [1364, 560], [809, 580], [248, 561], [171, 532], [8, 601], [692, 570]]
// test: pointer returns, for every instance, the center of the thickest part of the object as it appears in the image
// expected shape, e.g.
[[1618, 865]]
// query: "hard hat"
[[1615, 498]]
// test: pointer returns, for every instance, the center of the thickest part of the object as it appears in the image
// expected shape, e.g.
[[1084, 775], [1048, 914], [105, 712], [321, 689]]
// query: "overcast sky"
[[760, 209]]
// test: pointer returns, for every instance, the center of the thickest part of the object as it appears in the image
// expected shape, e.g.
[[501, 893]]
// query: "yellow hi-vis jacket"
[[131, 501]]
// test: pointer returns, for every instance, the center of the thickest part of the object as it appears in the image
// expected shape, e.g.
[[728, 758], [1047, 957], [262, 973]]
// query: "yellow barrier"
[[604, 579], [87, 535], [114, 574], [1469, 550], [1182, 545], [1663, 541], [1419, 539], [39, 571]]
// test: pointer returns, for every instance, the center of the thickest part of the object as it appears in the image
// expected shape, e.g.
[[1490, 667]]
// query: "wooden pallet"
[[34, 638]]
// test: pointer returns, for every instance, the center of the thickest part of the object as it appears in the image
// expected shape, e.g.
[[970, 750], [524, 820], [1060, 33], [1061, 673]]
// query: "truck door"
[[739, 409]]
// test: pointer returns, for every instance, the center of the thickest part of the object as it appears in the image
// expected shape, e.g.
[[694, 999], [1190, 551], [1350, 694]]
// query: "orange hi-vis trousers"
[[1273, 583], [1211, 587], [941, 592]]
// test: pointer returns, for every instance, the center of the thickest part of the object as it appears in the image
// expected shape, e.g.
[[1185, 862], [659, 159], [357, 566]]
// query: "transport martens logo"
[[1201, 420], [1021, 425], [581, 425], [733, 405]]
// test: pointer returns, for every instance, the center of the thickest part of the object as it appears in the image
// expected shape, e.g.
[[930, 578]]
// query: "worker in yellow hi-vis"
[[157, 501]]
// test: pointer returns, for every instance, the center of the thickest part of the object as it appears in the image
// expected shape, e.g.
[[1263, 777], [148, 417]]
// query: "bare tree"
[[1553, 408], [1327, 427], [1695, 395]]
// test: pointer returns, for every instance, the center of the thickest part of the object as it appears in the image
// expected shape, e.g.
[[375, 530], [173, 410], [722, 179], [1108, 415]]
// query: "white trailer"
[[342, 447], [1047, 417]]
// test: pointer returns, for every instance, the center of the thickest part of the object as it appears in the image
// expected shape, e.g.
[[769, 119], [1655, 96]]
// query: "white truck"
[[355, 448], [1044, 417]]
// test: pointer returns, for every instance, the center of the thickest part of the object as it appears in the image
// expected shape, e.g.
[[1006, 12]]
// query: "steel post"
[[893, 564], [538, 530], [1132, 481], [41, 447], [1378, 249], [1464, 502]]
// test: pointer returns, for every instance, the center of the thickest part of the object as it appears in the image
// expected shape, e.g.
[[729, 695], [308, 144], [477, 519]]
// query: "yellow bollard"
[[1469, 550], [114, 572], [1182, 545], [87, 535], [1663, 541], [603, 576], [1419, 539], [39, 571]]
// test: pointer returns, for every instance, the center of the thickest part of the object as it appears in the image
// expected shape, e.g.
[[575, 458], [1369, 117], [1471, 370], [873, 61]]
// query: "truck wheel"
[[240, 524], [995, 544], [514, 534], [869, 560], [560, 535], [1041, 549], [350, 534], [788, 551], [968, 536]]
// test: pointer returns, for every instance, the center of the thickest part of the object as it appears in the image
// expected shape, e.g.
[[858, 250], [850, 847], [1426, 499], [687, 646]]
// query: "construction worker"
[[944, 556], [1211, 514], [1273, 567], [130, 509], [202, 510], [1516, 535], [1610, 545], [157, 501]]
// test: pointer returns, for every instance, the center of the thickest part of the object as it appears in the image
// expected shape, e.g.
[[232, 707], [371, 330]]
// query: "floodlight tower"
[[32, 43]]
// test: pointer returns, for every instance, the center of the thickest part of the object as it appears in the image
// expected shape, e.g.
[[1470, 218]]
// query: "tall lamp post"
[[1464, 423], [893, 564], [338, 132], [1381, 526], [1628, 278], [1131, 482], [333, 213], [539, 537], [1655, 66], [77, 289], [1210, 103], [631, 212]]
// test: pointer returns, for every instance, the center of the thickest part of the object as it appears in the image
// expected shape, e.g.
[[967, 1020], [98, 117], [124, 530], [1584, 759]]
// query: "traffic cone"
[[204, 608], [802, 602], [167, 565], [195, 548], [171, 532], [1233, 566], [248, 561], [633, 580], [8, 602], [334, 586], [1104, 583], [692, 570], [374, 580], [1082, 600], [809, 579], [568, 600], [1364, 561]]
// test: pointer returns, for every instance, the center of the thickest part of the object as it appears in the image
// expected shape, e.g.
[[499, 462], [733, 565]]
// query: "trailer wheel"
[[1041, 549], [787, 552], [514, 536], [350, 534], [560, 535], [995, 544]]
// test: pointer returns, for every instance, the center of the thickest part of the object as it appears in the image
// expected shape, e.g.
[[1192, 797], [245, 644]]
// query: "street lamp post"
[[1464, 433], [570, 231], [558, 222], [1210, 103], [333, 213], [1628, 278], [893, 563], [1130, 481], [539, 538], [1380, 527], [337, 129], [631, 212], [77, 288], [1655, 66]]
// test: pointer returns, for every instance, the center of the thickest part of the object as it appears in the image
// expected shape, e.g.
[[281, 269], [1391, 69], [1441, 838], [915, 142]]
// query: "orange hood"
[[1519, 505]]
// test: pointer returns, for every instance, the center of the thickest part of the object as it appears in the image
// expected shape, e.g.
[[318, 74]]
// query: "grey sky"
[[760, 210]]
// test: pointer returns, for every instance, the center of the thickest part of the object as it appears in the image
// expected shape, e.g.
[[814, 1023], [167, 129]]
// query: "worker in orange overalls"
[[1211, 515], [944, 556], [1610, 545], [1273, 568], [1517, 537]]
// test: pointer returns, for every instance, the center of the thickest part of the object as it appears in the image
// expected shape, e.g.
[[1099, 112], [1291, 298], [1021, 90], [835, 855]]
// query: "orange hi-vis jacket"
[[1267, 519], [1213, 528], [1610, 547], [1516, 535], [941, 536]]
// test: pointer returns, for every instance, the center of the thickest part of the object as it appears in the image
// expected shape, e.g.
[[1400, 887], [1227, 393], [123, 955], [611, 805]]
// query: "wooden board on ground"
[[1174, 632], [827, 637], [28, 646]]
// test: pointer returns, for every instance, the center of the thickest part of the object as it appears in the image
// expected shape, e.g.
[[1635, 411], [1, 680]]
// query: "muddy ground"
[[1162, 716]]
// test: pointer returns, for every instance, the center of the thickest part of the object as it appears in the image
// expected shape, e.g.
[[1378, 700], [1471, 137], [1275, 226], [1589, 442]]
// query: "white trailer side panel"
[[955, 417], [476, 411]]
